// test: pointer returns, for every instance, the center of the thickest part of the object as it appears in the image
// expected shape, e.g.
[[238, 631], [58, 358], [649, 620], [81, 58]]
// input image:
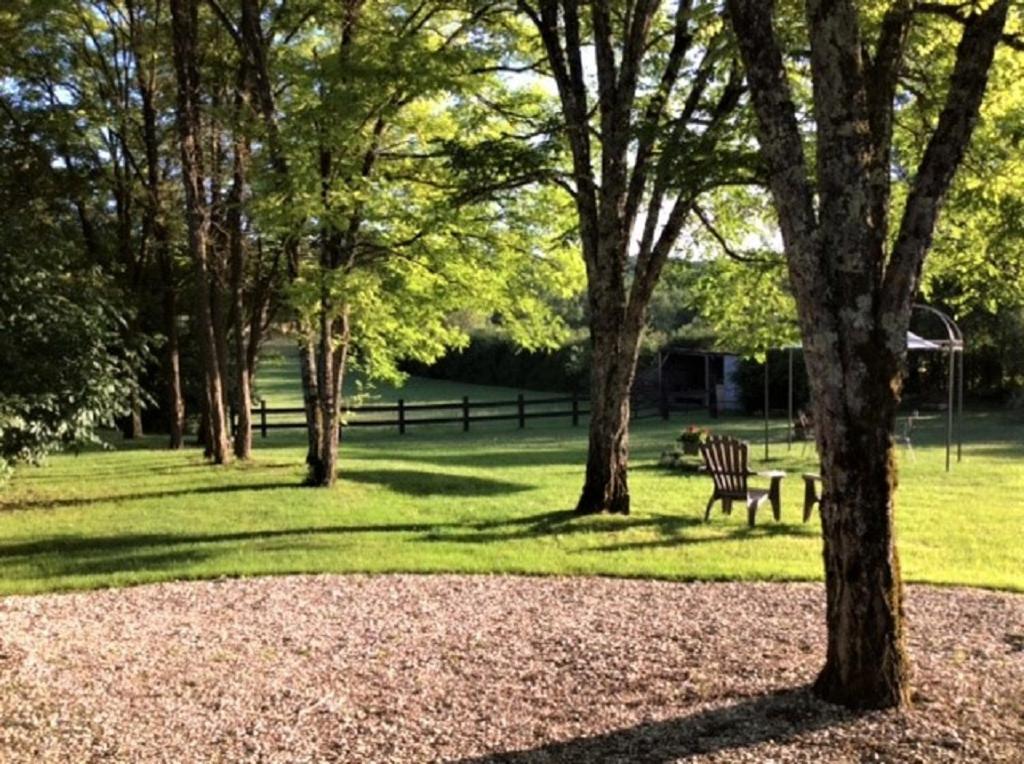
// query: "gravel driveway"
[[487, 669]]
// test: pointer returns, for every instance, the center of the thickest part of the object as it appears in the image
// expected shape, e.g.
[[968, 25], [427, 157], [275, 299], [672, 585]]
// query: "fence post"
[[575, 409], [401, 416], [522, 411], [263, 417], [465, 413]]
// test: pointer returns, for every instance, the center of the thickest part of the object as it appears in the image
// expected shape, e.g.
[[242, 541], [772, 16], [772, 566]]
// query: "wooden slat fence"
[[404, 415]]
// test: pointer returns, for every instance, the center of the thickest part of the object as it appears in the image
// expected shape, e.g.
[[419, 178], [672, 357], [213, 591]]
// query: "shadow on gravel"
[[777, 717]]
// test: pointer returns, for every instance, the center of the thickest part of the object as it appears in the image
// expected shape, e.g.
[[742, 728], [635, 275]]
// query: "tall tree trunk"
[[629, 153], [184, 20], [237, 252], [204, 432], [253, 43], [155, 227], [866, 659]]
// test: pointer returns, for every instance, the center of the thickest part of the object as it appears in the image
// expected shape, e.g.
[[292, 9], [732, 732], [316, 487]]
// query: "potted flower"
[[691, 438]]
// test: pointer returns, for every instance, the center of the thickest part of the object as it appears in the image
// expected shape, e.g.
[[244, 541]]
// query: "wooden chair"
[[803, 429], [725, 459], [902, 438]]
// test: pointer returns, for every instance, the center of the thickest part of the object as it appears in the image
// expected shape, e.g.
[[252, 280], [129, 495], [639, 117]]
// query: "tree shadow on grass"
[[422, 483], [732, 533], [777, 717], [485, 457], [671, 529], [69, 555], [80, 501], [559, 523], [133, 543]]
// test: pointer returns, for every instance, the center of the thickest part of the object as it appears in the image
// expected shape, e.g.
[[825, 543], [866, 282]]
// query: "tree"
[[643, 148], [67, 369], [854, 282], [184, 14], [358, 167], [89, 76]]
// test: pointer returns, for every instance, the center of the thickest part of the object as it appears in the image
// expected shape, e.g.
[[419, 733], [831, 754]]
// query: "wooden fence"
[[403, 415]]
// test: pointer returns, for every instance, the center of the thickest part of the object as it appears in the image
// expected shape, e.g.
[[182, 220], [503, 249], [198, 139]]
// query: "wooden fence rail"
[[519, 412]]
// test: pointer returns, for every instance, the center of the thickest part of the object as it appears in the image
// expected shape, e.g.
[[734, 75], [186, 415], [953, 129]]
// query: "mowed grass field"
[[496, 500]]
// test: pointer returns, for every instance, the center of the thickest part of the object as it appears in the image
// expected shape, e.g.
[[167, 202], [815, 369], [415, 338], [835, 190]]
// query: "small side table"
[[775, 491], [812, 495]]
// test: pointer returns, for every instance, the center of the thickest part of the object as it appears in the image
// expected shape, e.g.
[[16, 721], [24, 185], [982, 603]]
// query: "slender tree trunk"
[[204, 433], [184, 20], [237, 269], [311, 402], [154, 226], [172, 370], [219, 325], [135, 418]]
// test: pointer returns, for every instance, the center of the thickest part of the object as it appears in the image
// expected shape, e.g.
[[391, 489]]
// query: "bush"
[[66, 370]]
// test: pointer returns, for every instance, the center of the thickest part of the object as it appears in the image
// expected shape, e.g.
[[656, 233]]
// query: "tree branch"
[[781, 143], [729, 251], [961, 12], [229, 25], [974, 54]]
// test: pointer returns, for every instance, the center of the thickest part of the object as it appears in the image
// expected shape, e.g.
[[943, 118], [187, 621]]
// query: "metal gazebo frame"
[[952, 345]]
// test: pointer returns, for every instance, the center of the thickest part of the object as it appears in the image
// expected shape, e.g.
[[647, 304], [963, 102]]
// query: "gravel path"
[[487, 668]]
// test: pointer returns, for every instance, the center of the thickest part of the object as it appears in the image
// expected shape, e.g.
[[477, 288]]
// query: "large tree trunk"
[[855, 290], [867, 664], [184, 18], [613, 364]]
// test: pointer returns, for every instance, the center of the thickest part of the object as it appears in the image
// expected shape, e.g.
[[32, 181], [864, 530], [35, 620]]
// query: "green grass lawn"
[[494, 500]]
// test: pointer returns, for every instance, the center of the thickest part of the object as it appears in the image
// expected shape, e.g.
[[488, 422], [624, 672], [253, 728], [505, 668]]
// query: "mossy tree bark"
[[855, 291]]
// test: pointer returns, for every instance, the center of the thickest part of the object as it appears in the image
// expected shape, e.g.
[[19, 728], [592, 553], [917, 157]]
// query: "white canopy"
[[917, 342], [914, 342]]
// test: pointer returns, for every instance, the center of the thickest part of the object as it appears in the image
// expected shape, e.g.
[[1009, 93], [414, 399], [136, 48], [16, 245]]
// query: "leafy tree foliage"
[[62, 331]]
